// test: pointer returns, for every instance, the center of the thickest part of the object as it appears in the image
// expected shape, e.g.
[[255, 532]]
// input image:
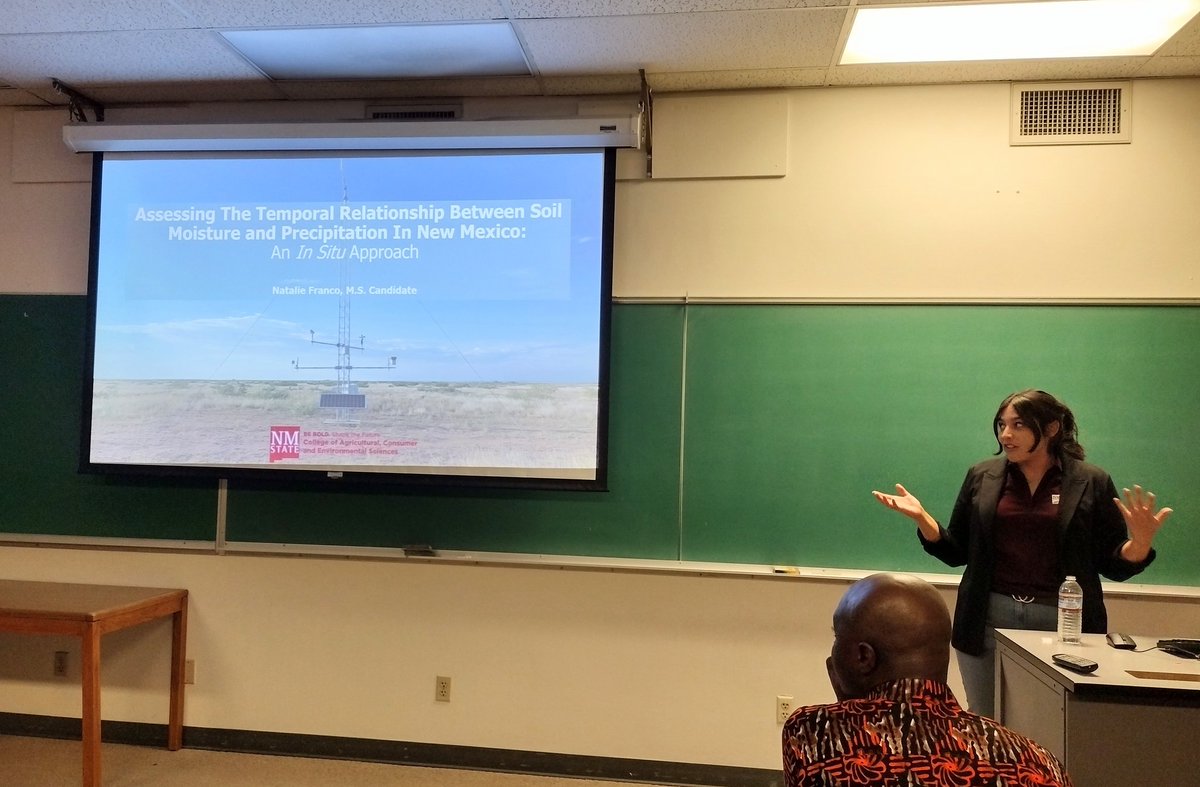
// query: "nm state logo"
[[285, 443]]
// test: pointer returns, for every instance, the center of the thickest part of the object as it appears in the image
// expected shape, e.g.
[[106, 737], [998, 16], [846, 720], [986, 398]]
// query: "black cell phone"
[[1120, 641], [1074, 663]]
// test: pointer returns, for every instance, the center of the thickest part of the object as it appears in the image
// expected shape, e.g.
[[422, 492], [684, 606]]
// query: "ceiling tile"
[[553, 9], [407, 88], [613, 84], [577, 47], [185, 92], [682, 42], [121, 56], [1170, 67], [273, 13], [1184, 43], [737, 80], [40, 16]]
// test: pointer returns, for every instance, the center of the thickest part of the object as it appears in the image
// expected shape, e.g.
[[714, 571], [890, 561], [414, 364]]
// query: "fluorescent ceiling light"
[[384, 52], [1014, 31]]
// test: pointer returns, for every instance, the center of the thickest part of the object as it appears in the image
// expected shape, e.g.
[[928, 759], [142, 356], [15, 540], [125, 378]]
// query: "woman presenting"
[[1022, 524]]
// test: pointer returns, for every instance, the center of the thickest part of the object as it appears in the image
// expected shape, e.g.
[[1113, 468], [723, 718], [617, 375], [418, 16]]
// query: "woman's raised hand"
[[1143, 518], [904, 502]]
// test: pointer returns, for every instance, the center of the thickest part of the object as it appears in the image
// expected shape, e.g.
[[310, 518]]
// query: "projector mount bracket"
[[77, 101]]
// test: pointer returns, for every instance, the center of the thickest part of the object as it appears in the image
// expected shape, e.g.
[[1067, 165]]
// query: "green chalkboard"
[[795, 413], [41, 492], [639, 517], [739, 434]]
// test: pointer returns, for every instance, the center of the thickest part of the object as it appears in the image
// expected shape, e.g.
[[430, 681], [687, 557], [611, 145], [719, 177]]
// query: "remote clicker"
[[1074, 663]]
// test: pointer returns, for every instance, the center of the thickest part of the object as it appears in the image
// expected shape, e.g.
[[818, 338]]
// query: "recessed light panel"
[[391, 52], [1014, 31]]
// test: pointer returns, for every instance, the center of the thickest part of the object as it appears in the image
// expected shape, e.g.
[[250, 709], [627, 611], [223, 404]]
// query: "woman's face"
[[1017, 438]]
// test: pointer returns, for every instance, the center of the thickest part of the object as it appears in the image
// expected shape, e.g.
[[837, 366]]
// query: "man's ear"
[[865, 658], [1053, 428]]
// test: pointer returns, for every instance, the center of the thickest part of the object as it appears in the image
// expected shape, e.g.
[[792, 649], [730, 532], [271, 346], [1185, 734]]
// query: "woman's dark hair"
[[1038, 410]]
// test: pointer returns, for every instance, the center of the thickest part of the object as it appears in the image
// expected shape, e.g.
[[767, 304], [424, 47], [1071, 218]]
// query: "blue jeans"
[[979, 672]]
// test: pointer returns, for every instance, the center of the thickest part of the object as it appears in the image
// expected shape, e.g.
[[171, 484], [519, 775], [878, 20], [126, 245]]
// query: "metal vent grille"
[[1070, 114], [416, 112]]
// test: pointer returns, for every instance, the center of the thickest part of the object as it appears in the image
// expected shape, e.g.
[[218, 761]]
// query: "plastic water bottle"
[[1070, 610]]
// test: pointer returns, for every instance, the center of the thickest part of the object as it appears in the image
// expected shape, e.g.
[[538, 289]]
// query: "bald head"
[[886, 627]]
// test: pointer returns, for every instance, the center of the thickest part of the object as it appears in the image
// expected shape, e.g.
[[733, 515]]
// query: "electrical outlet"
[[441, 689], [783, 708], [60, 664], [189, 671]]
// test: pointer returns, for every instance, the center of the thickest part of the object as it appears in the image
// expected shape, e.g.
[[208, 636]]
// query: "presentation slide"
[[414, 313]]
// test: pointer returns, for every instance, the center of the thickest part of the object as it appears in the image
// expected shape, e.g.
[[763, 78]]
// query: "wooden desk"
[[89, 612], [1132, 721]]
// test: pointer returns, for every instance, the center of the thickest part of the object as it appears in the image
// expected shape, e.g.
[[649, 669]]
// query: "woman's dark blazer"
[[1091, 531]]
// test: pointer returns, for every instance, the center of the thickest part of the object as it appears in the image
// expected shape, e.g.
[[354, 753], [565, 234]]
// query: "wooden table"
[[89, 612]]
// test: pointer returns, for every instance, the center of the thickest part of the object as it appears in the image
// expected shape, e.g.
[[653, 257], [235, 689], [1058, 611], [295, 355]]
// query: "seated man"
[[896, 722]]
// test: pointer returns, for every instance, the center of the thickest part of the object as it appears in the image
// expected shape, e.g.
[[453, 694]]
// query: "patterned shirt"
[[907, 733]]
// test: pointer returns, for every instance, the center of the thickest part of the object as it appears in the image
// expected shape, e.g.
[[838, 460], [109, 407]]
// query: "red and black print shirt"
[[906, 733]]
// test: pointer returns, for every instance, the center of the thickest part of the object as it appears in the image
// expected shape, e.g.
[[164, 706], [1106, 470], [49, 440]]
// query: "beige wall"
[[915, 193], [893, 193], [888, 193]]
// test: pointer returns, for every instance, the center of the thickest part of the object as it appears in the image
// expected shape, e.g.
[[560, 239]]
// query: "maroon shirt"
[[907, 733], [1026, 535]]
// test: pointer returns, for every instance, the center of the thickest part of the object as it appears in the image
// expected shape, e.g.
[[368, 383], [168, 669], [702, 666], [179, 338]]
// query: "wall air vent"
[[415, 112], [1070, 113]]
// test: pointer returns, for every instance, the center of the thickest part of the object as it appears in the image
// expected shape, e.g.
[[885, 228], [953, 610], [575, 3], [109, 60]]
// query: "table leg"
[[178, 656], [91, 705]]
